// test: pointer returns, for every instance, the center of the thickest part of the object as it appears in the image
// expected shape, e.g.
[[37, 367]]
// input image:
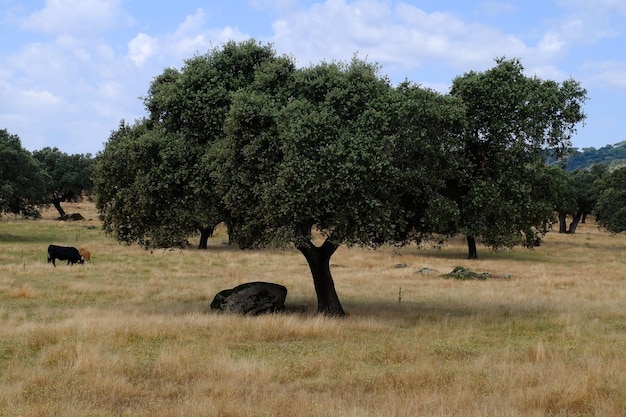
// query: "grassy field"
[[131, 333]]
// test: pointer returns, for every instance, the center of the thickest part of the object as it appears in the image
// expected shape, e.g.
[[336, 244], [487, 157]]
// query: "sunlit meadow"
[[131, 333]]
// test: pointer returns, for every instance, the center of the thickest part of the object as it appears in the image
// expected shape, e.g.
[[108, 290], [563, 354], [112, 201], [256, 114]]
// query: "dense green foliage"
[[339, 149], [610, 209], [173, 193], [23, 183], [585, 184], [69, 175], [511, 120], [135, 187]]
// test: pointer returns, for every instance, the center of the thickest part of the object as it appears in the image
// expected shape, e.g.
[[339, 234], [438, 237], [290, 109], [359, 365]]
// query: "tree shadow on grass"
[[403, 314], [486, 254], [444, 309], [26, 238]]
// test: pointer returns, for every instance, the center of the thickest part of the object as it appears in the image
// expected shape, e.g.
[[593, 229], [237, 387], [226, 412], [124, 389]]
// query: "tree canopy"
[[584, 183], [511, 120], [69, 175], [175, 194], [133, 196], [23, 182], [610, 209]]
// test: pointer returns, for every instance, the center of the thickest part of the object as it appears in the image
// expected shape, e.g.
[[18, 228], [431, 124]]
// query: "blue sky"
[[70, 70]]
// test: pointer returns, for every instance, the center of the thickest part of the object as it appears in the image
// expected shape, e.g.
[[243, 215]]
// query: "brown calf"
[[84, 252]]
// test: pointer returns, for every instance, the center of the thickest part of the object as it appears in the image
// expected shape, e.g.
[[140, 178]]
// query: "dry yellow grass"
[[131, 334]]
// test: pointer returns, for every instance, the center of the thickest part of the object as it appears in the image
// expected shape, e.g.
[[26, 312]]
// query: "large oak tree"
[[332, 154]]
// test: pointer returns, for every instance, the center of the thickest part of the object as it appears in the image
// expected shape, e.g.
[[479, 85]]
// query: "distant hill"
[[611, 155]]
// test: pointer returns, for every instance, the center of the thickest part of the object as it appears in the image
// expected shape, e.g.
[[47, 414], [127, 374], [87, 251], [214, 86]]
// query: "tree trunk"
[[471, 247], [584, 219], [562, 223], [318, 259], [229, 231], [574, 224], [205, 234], [57, 205]]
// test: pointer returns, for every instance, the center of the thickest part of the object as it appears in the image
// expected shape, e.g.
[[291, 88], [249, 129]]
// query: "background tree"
[[139, 196], [584, 193], [511, 120], [70, 175], [186, 116], [610, 155], [610, 209], [193, 104], [22, 180], [427, 128], [557, 184]]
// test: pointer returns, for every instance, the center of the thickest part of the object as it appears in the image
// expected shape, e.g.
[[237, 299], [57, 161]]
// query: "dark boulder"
[[72, 217], [251, 298]]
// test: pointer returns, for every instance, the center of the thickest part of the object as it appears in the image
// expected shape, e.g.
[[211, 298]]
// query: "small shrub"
[[463, 273]]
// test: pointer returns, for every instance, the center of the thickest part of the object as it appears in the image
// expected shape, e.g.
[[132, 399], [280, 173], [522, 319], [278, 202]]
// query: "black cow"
[[64, 253]]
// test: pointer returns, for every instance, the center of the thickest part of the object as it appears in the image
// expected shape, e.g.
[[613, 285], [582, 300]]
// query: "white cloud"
[[588, 22], [86, 71], [408, 40], [608, 74], [79, 87], [77, 16], [192, 36], [38, 99], [29, 62], [398, 35], [110, 90], [551, 44], [141, 48], [603, 6], [546, 72], [278, 5], [496, 8], [193, 23]]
